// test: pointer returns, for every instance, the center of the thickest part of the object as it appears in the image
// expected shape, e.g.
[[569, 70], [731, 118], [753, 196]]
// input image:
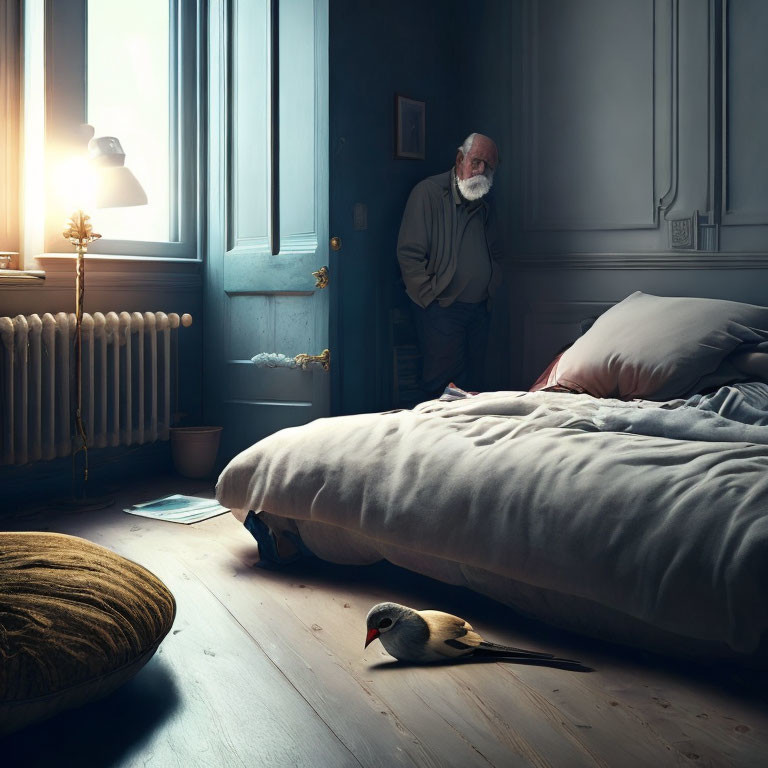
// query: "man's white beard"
[[475, 187]]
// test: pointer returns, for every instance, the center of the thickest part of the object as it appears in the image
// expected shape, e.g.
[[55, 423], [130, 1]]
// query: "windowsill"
[[56, 271], [25, 277], [105, 257]]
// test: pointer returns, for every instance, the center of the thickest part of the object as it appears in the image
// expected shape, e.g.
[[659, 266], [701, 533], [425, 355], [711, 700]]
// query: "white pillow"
[[659, 348]]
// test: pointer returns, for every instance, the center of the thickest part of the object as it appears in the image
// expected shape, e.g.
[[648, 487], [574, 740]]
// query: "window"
[[129, 86], [130, 71]]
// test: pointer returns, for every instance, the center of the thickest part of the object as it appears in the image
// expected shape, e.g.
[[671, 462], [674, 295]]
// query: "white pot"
[[194, 450]]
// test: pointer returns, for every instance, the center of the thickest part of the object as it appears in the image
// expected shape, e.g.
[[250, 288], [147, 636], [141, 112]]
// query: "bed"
[[626, 498]]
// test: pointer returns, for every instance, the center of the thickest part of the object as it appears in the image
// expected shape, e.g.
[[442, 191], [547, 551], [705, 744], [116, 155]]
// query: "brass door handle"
[[322, 278], [304, 360]]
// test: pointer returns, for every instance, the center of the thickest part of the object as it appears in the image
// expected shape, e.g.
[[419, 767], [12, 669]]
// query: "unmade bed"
[[633, 519]]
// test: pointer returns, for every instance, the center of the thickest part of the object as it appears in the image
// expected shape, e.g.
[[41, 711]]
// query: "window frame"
[[66, 111], [10, 125]]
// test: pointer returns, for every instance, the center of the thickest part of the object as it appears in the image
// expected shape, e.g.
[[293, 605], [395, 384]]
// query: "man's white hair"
[[467, 144]]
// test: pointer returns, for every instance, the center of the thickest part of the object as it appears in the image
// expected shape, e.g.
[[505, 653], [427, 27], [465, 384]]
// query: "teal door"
[[267, 215]]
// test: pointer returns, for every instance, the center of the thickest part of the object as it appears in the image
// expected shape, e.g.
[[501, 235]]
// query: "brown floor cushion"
[[76, 621]]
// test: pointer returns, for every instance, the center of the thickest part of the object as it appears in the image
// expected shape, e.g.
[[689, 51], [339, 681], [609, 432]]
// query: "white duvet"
[[559, 492]]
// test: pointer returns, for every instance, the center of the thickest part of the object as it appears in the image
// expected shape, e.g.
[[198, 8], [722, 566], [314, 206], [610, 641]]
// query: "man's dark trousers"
[[453, 342]]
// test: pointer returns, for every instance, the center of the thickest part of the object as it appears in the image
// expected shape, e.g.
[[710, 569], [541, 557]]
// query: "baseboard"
[[109, 468]]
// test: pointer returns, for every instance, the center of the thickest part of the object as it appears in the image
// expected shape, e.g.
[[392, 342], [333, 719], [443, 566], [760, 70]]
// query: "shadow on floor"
[[419, 591], [103, 733]]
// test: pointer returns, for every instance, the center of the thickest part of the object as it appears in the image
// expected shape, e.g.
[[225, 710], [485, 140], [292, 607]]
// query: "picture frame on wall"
[[410, 128]]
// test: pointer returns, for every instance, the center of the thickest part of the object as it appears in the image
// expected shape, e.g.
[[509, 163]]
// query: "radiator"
[[126, 381]]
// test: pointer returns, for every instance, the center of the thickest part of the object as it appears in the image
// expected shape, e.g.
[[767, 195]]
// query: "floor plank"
[[267, 668]]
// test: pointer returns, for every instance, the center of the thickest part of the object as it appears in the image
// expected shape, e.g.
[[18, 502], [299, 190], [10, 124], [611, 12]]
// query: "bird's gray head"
[[382, 618]]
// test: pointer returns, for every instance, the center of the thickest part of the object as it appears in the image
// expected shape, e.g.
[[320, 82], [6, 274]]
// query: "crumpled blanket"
[[735, 414]]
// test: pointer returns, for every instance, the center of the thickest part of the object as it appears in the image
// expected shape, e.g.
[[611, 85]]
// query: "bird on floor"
[[423, 637]]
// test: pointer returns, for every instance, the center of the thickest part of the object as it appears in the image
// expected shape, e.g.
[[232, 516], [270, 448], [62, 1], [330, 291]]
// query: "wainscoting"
[[552, 295], [640, 135], [643, 126]]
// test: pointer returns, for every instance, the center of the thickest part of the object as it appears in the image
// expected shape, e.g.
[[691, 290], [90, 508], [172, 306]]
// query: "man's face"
[[474, 170], [481, 159]]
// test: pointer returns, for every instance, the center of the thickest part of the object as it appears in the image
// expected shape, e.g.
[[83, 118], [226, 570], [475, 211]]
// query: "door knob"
[[304, 360], [335, 243]]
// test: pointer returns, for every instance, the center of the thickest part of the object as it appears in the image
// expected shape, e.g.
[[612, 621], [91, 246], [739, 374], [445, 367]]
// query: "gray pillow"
[[752, 363], [659, 348]]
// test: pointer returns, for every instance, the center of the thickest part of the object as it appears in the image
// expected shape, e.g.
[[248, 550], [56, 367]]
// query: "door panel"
[[258, 301], [248, 124], [298, 120], [258, 323]]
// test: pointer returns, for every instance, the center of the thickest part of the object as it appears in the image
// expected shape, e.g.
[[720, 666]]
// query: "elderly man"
[[448, 253]]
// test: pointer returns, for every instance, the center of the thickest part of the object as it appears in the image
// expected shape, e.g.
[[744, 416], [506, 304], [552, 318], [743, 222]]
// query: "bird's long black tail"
[[496, 650]]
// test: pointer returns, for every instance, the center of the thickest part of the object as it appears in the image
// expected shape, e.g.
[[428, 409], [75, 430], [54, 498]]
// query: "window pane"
[[129, 96]]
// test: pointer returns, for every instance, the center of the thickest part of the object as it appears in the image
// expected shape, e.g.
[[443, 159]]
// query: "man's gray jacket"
[[427, 245]]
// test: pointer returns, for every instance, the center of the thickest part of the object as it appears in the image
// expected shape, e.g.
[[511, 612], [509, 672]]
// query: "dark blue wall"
[[492, 90], [458, 57], [380, 48]]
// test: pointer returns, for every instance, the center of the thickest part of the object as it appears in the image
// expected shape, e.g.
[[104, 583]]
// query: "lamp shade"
[[118, 188], [115, 185]]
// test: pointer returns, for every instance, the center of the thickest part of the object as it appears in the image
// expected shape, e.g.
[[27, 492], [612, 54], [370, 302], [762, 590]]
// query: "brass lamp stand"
[[80, 233], [111, 185]]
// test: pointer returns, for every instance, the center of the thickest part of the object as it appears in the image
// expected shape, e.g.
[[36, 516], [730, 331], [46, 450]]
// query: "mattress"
[[639, 522]]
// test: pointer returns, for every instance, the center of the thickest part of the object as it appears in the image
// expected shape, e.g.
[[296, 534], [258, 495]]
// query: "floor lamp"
[[112, 185]]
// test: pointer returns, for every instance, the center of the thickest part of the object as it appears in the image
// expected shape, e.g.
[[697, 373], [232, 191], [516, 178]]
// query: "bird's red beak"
[[371, 636]]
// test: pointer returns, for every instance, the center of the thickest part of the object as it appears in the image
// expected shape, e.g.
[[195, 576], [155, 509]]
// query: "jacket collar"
[[455, 188]]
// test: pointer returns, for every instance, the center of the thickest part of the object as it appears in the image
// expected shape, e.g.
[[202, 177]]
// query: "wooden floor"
[[267, 668]]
